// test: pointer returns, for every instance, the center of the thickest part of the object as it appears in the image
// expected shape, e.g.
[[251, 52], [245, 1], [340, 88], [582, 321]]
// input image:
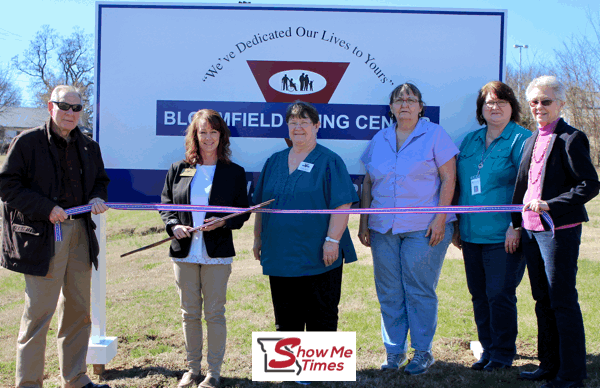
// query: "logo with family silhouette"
[[286, 81], [297, 82]]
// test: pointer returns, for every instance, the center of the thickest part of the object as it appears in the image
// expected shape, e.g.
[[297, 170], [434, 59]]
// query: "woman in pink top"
[[556, 175]]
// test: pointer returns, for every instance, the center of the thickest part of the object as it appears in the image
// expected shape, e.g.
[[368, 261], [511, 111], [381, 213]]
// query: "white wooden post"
[[477, 349], [101, 349]]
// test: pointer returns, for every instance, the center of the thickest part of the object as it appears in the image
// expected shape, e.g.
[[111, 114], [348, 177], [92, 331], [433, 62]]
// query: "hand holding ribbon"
[[395, 210], [210, 225]]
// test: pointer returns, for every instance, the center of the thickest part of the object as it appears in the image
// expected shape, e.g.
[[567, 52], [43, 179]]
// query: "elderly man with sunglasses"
[[48, 169]]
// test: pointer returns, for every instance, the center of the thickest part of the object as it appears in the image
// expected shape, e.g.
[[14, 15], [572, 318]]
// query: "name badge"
[[306, 167], [188, 172], [475, 185]]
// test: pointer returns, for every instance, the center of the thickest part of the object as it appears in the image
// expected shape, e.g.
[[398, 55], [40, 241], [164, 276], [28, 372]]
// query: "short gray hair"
[[548, 81], [62, 90]]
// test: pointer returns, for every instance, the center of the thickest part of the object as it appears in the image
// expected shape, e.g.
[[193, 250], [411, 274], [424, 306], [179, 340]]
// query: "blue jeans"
[[493, 277], [407, 271], [552, 266]]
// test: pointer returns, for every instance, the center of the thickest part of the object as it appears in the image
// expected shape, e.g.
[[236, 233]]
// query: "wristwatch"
[[332, 240]]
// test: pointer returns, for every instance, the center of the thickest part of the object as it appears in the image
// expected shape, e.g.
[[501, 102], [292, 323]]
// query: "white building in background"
[[15, 120]]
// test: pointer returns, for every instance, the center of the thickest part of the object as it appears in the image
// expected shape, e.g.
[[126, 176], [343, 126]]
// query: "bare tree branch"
[[530, 71], [53, 60], [36, 58], [578, 63], [10, 94]]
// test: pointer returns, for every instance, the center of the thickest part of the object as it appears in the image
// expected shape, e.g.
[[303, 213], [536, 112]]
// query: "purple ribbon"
[[226, 209]]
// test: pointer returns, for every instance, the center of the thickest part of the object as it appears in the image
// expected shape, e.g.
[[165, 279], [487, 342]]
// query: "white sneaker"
[[394, 361], [420, 363]]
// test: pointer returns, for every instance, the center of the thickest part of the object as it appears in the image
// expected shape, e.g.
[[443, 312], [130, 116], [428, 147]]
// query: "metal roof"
[[23, 117]]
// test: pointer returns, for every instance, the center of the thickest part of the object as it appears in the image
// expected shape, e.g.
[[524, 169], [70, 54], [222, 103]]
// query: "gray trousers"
[[198, 283], [68, 284]]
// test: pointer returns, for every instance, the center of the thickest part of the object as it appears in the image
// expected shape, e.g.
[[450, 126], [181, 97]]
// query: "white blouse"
[[199, 193]]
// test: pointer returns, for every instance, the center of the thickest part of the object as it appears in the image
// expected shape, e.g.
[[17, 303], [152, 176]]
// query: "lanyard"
[[480, 165]]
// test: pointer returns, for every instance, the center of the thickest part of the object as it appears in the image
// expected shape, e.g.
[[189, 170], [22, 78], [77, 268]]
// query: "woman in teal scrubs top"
[[303, 253]]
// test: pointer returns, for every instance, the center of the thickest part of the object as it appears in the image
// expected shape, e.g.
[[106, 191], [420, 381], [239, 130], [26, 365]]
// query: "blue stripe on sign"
[[264, 119], [145, 186], [142, 186]]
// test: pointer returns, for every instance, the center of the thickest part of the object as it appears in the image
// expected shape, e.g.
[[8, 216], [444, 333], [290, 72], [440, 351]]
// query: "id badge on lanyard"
[[476, 179], [475, 185]]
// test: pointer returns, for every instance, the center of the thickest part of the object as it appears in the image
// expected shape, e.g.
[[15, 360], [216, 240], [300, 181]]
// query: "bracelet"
[[332, 240]]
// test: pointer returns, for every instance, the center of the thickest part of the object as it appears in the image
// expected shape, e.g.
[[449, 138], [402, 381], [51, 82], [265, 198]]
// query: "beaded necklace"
[[533, 181]]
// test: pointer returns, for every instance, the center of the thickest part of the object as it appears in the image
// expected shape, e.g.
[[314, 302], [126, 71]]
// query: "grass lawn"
[[143, 311]]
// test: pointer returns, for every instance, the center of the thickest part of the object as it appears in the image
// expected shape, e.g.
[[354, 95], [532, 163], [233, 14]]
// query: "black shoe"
[[558, 383], [480, 364], [92, 385], [494, 366], [537, 375]]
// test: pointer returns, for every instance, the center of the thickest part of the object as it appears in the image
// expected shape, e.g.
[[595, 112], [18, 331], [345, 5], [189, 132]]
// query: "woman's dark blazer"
[[228, 189], [568, 180]]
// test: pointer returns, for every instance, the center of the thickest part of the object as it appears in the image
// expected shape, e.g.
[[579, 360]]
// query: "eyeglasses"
[[534, 103], [303, 125], [498, 103], [66, 106], [408, 101]]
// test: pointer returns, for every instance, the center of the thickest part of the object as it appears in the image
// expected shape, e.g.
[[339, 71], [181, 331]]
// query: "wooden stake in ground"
[[250, 209]]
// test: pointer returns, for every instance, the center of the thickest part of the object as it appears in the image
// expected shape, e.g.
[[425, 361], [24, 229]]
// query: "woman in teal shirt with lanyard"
[[487, 169]]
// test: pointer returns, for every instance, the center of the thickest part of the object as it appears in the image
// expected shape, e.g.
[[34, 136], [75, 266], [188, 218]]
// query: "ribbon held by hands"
[[201, 227], [147, 206], [226, 209]]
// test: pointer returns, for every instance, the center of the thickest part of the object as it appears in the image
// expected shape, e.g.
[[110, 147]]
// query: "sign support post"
[[101, 349]]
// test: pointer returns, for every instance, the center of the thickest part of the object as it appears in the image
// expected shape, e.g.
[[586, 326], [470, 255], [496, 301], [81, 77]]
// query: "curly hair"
[[548, 81], [192, 146]]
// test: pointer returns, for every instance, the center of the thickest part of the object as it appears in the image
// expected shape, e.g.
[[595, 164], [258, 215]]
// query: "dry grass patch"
[[143, 311]]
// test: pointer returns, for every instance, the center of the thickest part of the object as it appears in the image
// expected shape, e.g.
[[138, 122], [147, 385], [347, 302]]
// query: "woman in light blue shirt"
[[487, 170], [410, 163]]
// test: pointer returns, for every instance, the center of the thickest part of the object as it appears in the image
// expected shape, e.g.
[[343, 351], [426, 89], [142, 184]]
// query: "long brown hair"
[[192, 146]]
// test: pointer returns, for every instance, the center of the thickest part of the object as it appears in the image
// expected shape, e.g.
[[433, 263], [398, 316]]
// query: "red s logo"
[[279, 350]]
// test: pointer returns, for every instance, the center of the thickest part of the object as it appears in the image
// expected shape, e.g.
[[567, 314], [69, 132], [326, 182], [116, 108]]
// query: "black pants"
[[552, 267], [307, 302]]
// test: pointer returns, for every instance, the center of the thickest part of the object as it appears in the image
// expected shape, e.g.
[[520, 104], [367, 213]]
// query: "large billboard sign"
[[159, 63]]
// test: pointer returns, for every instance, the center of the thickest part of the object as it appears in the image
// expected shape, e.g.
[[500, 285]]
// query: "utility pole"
[[520, 47]]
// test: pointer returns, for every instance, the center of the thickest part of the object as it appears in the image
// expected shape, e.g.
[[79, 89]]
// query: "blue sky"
[[543, 25]]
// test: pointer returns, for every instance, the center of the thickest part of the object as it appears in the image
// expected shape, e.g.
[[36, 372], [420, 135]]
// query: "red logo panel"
[[331, 71]]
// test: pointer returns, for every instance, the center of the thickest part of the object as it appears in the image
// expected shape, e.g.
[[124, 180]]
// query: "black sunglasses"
[[66, 106], [543, 102]]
